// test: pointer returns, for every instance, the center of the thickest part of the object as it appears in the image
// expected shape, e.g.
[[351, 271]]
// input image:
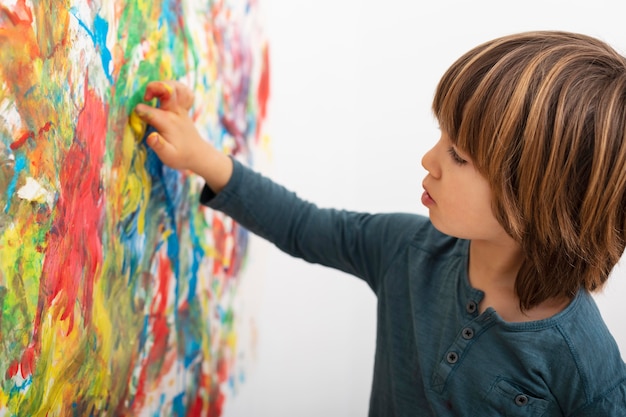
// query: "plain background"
[[352, 84]]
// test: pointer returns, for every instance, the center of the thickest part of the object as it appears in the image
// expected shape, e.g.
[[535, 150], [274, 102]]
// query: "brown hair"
[[543, 117]]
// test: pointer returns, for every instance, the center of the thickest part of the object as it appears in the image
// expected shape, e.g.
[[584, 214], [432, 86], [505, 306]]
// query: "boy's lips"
[[427, 200]]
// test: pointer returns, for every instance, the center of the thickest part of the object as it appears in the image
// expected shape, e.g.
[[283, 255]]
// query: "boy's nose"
[[429, 162]]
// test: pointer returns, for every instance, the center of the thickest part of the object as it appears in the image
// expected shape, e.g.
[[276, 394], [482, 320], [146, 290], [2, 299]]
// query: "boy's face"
[[458, 197]]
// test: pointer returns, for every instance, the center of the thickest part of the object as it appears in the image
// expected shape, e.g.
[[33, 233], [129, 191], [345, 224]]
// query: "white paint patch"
[[34, 192]]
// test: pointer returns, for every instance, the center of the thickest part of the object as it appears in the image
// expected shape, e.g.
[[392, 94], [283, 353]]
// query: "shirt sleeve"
[[360, 244], [612, 403]]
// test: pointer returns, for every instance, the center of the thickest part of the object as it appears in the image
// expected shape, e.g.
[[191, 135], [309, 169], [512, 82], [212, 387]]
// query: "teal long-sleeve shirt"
[[436, 355]]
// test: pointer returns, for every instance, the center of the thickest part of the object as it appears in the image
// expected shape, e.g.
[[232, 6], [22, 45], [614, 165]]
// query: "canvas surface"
[[117, 290]]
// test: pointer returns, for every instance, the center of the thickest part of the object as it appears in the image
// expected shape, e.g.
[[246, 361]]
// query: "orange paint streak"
[[218, 237], [52, 34], [25, 66]]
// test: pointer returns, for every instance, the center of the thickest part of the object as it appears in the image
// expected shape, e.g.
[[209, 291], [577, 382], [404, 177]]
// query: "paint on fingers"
[[153, 139], [168, 88]]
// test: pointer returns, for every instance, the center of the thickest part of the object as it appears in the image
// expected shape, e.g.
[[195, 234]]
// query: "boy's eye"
[[455, 156]]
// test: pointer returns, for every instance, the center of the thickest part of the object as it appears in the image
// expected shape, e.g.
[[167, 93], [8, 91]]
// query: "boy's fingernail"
[[153, 139]]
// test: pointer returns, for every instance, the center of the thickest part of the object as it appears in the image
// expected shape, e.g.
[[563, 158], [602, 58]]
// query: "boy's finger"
[[161, 147], [184, 95], [162, 91], [155, 89], [153, 116], [155, 141]]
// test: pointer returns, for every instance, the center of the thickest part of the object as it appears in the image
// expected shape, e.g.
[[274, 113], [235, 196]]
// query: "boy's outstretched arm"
[[178, 143]]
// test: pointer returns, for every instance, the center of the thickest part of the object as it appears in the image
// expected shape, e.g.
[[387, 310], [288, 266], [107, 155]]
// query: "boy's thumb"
[[156, 142], [162, 148]]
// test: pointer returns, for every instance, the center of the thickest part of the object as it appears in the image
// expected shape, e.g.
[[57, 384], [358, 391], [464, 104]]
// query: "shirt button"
[[452, 357], [468, 333], [471, 307], [521, 400]]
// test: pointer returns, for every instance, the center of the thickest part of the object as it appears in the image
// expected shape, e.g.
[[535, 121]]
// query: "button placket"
[[453, 355]]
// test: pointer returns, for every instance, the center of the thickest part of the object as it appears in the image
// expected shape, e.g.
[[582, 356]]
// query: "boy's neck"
[[494, 264], [493, 268]]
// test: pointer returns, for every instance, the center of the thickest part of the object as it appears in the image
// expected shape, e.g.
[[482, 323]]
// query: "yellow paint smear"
[[137, 126]]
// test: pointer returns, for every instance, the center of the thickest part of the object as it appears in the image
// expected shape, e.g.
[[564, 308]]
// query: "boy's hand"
[[177, 143], [175, 92]]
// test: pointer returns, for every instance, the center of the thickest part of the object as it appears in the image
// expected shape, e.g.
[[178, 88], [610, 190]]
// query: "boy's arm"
[[357, 243], [178, 143]]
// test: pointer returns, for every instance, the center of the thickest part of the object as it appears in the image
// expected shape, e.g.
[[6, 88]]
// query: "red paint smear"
[[263, 91], [196, 407], [210, 383], [28, 361], [74, 252], [27, 364], [222, 370], [216, 406], [231, 127], [21, 140], [159, 329], [235, 89], [203, 385], [13, 369], [233, 257], [25, 135], [20, 15], [45, 128]]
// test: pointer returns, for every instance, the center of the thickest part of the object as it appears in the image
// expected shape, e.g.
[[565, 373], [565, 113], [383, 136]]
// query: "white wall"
[[352, 83]]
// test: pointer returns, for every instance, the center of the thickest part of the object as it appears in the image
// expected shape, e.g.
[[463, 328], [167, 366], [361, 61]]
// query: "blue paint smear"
[[188, 325], [166, 190], [170, 14], [243, 236], [192, 350], [98, 37], [21, 388], [161, 406], [143, 336], [101, 28], [134, 243], [20, 165], [221, 313], [198, 254], [178, 405]]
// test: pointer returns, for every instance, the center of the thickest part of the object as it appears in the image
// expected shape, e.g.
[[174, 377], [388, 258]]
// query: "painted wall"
[[350, 120], [118, 293]]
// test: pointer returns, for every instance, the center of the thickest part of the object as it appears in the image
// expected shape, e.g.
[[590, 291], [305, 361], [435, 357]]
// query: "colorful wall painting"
[[117, 290]]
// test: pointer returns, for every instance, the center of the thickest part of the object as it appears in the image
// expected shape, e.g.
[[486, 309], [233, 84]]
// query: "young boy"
[[484, 308]]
